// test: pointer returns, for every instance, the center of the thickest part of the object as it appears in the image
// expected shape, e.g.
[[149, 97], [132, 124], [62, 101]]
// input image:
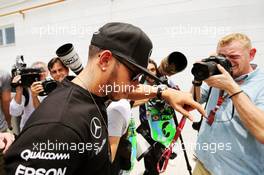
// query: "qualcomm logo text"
[[23, 170], [28, 154]]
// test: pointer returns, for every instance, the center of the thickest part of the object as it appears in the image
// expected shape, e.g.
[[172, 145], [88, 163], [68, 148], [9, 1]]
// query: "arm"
[[16, 107], [116, 126], [177, 99], [6, 139], [250, 115], [17, 103], [196, 91], [113, 141], [18, 95], [140, 102]]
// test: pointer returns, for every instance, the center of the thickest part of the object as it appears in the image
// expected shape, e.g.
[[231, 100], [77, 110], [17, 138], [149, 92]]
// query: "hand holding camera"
[[223, 81], [216, 71], [26, 77], [36, 88], [17, 80], [208, 67]]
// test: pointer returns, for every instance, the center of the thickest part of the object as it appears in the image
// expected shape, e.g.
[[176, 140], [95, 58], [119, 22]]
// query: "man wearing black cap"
[[67, 134]]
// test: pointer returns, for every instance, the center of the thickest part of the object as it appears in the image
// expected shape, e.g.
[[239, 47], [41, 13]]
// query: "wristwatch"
[[197, 83], [161, 88]]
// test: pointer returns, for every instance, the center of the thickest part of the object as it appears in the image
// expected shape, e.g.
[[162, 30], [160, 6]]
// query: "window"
[[7, 35]]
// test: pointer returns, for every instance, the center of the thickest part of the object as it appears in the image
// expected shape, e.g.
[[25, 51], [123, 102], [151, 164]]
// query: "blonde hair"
[[242, 38]]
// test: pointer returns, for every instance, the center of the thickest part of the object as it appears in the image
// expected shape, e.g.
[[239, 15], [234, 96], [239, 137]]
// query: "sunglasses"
[[134, 76]]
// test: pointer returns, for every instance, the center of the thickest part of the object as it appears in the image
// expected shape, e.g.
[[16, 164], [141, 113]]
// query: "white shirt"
[[20, 109], [119, 114]]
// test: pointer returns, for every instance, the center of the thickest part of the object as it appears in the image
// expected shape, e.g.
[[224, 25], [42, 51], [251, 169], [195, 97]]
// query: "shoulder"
[[122, 106]]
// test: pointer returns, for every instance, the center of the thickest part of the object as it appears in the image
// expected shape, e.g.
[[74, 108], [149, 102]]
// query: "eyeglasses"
[[134, 76]]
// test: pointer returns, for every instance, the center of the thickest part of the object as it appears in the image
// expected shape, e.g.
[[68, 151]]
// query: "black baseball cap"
[[127, 42]]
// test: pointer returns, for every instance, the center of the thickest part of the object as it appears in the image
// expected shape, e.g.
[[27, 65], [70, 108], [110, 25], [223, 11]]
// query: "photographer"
[[26, 100], [58, 71], [235, 108]]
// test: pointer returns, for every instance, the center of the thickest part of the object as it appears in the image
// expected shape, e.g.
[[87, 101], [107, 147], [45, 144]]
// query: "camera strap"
[[212, 113], [197, 125]]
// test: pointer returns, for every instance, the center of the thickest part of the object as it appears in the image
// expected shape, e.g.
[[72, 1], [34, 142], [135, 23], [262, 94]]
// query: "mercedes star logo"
[[96, 128]]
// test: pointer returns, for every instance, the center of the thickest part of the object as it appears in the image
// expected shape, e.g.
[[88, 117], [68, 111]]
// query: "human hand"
[[182, 102], [17, 80], [36, 88], [6, 139], [223, 81]]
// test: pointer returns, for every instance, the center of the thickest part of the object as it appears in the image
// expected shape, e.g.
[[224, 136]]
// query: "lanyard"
[[212, 113], [211, 116]]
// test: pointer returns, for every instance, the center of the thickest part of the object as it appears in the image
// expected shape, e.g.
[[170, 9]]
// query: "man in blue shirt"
[[233, 143]]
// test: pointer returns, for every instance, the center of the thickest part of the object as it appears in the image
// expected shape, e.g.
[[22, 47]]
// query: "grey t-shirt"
[[118, 114], [4, 86]]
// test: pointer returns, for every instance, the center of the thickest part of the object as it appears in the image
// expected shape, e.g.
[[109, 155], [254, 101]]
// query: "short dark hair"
[[93, 50], [55, 60]]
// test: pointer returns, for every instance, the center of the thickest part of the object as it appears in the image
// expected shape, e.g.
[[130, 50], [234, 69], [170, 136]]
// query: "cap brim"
[[144, 71]]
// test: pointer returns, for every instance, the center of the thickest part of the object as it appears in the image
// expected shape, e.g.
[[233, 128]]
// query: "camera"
[[207, 67], [30, 75], [48, 85]]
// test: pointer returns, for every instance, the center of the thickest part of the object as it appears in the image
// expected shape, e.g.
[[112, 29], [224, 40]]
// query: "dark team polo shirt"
[[66, 135]]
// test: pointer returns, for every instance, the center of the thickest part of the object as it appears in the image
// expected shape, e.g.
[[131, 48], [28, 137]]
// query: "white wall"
[[192, 27]]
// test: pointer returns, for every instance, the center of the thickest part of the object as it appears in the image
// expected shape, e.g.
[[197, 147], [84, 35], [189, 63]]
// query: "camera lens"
[[200, 71], [49, 86]]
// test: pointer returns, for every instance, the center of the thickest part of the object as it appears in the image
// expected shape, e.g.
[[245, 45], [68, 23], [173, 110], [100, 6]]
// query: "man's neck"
[[89, 83]]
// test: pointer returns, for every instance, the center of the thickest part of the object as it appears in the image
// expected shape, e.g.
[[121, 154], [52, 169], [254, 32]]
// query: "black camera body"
[[48, 85], [30, 75], [207, 67]]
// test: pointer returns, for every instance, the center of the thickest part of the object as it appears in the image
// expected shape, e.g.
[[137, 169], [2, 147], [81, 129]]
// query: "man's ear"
[[104, 58], [252, 53]]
